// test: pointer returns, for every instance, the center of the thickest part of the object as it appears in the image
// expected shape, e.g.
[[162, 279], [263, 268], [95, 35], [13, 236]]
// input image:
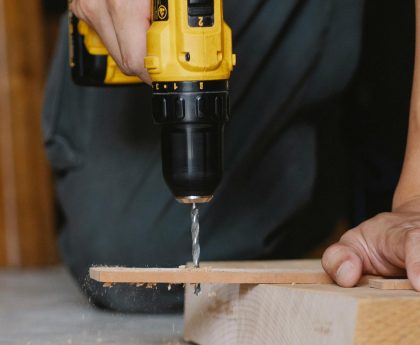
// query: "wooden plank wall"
[[27, 234]]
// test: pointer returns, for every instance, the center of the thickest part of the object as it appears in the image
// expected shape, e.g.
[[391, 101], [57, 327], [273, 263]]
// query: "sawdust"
[[107, 285], [192, 268]]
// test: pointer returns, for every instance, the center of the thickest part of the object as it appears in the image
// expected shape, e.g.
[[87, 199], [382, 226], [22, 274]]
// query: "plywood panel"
[[241, 272], [390, 284]]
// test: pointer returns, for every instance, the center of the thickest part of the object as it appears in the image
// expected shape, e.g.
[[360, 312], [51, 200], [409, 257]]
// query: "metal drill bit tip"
[[195, 231]]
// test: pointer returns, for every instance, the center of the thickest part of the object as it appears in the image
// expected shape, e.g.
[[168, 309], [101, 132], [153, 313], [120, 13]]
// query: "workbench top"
[[46, 307]]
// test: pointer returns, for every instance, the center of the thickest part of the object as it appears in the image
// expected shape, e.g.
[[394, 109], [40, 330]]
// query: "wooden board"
[[300, 314], [390, 284], [251, 272]]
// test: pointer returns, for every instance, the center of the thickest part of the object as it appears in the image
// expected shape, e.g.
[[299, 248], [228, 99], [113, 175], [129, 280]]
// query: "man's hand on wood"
[[387, 245]]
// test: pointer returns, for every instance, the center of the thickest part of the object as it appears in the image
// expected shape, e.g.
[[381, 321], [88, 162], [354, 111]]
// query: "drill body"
[[189, 59]]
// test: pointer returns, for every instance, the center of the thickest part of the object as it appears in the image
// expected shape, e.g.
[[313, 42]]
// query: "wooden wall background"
[[27, 226]]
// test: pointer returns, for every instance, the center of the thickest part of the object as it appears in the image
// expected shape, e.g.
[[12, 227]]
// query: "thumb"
[[412, 257], [385, 245], [343, 264]]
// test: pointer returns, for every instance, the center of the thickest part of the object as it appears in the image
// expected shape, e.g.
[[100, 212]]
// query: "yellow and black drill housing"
[[188, 41], [189, 59]]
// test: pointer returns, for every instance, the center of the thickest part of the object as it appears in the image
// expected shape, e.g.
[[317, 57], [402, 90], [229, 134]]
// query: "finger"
[[75, 8], [131, 20], [412, 258], [94, 13], [343, 264], [374, 247]]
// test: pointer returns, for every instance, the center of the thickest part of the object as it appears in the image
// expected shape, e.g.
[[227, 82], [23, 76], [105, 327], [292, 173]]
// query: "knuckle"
[[346, 236], [365, 226], [375, 222], [130, 65], [332, 249], [354, 240], [350, 234], [87, 8], [75, 8], [126, 68]]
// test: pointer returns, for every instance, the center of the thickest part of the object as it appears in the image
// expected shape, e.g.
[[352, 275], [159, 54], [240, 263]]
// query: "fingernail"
[[344, 270]]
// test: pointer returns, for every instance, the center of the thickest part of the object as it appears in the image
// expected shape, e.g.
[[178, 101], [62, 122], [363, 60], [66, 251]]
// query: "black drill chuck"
[[192, 116]]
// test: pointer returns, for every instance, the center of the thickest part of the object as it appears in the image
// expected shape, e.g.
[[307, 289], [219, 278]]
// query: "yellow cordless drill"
[[189, 59]]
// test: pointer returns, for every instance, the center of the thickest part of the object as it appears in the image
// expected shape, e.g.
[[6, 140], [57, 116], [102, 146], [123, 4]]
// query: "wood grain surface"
[[390, 284], [300, 314], [243, 272]]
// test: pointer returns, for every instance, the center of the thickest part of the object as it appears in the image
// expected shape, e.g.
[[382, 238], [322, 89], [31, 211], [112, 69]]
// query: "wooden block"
[[390, 284], [243, 272], [301, 314]]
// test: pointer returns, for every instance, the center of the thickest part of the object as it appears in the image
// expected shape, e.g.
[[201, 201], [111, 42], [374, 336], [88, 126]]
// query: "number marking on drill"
[[200, 21]]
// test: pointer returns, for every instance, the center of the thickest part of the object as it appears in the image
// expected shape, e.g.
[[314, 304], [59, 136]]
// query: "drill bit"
[[195, 231]]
